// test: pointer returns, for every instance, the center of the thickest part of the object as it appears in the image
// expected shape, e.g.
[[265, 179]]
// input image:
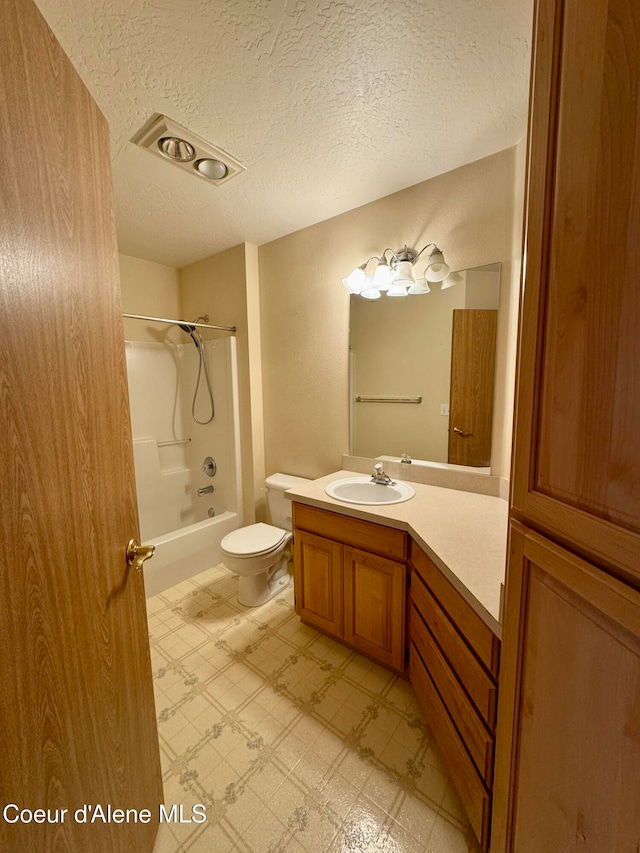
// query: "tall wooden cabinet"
[[568, 739]]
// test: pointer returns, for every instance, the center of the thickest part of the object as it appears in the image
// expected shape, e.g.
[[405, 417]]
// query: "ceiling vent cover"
[[181, 147]]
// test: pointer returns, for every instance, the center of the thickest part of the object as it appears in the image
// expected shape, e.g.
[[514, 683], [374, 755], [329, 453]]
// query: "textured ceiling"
[[330, 104]]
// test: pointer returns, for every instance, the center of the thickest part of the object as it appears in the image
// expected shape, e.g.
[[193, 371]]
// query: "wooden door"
[[318, 581], [576, 732], [473, 360], [577, 435], [374, 606], [77, 718]]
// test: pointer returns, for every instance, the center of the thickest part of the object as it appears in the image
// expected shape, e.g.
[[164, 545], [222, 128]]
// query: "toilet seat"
[[253, 540]]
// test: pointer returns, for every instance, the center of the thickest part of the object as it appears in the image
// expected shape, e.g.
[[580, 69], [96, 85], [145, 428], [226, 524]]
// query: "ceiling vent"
[[177, 145]]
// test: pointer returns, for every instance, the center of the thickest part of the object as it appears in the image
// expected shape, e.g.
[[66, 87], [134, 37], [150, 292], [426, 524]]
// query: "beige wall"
[[218, 286], [151, 289], [470, 212]]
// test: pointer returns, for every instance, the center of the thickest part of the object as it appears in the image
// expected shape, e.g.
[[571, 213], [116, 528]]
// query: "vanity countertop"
[[464, 533]]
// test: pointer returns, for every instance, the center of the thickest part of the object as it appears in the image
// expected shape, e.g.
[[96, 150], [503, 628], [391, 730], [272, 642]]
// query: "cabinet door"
[[374, 606], [318, 581], [577, 439], [575, 721]]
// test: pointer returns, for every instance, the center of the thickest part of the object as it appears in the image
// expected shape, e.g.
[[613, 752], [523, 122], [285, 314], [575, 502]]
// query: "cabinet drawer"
[[375, 538], [479, 636], [472, 792], [473, 731], [473, 677]]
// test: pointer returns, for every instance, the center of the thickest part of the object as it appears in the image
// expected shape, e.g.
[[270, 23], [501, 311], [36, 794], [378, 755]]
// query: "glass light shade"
[[420, 286], [354, 281], [404, 274], [382, 275], [397, 289], [436, 269], [215, 170], [369, 289], [450, 280]]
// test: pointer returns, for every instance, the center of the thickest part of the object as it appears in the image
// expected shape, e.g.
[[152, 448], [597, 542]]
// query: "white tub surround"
[[464, 533]]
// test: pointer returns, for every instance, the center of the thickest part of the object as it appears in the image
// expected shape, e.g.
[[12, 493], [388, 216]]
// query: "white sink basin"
[[360, 490]]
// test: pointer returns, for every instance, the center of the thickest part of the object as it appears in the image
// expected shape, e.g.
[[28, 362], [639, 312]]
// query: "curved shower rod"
[[179, 322]]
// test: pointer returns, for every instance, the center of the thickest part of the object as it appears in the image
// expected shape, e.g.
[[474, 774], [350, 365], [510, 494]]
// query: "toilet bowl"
[[259, 553]]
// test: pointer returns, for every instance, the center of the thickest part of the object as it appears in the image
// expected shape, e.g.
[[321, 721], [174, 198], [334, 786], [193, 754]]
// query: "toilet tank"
[[279, 505]]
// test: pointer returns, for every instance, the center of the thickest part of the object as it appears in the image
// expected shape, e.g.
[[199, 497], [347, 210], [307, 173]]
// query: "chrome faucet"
[[380, 477]]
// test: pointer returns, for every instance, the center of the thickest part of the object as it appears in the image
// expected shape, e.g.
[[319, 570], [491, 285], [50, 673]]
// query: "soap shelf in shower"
[[173, 441]]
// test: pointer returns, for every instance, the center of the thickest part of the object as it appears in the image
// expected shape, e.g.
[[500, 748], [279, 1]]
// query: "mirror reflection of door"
[[473, 359]]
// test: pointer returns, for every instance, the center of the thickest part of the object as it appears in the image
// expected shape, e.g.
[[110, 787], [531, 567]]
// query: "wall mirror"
[[422, 371]]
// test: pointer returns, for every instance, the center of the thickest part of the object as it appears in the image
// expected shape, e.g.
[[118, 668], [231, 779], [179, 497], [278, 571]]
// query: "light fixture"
[[354, 281], [176, 149], [215, 170], [451, 279], [179, 146], [436, 268], [396, 277]]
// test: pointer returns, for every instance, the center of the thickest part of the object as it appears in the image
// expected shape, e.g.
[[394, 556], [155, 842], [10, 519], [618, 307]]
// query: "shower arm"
[[179, 322]]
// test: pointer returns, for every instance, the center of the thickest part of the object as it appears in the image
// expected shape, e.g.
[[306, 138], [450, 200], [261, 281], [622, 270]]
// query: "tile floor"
[[291, 741]]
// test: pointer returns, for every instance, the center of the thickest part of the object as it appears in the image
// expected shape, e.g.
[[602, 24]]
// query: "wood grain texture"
[[375, 538], [474, 796], [472, 729], [479, 685], [478, 635], [473, 360], [578, 741], [318, 581], [577, 441], [510, 682], [77, 718], [589, 445], [374, 606]]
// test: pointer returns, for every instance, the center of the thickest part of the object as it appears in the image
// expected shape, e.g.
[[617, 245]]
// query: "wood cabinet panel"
[[374, 605], [577, 726], [477, 682], [318, 581], [473, 732], [477, 633], [473, 794], [375, 538], [591, 349], [577, 444]]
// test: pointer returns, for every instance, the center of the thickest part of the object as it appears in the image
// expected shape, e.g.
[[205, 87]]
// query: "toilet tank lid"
[[282, 482]]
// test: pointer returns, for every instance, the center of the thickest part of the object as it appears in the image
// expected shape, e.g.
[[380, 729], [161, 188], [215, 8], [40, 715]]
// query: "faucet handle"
[[378, 468]]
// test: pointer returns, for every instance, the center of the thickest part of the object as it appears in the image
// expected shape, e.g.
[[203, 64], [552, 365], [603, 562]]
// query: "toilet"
[[259, 553]]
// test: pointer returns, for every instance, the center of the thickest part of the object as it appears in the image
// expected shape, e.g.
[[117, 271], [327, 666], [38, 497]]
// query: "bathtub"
[[186, 552]]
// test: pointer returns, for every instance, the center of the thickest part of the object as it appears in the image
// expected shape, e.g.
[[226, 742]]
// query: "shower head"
[[191, 331]]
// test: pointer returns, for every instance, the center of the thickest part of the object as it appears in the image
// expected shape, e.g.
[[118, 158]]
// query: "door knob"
[[461, 432], [137, 554]]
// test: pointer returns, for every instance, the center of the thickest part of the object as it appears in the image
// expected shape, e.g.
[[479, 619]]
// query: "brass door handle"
[[461, 432], [137, 554]]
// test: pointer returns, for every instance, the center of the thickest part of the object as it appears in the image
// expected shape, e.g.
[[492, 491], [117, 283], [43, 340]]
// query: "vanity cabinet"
[[350, 581], [454, 664]]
